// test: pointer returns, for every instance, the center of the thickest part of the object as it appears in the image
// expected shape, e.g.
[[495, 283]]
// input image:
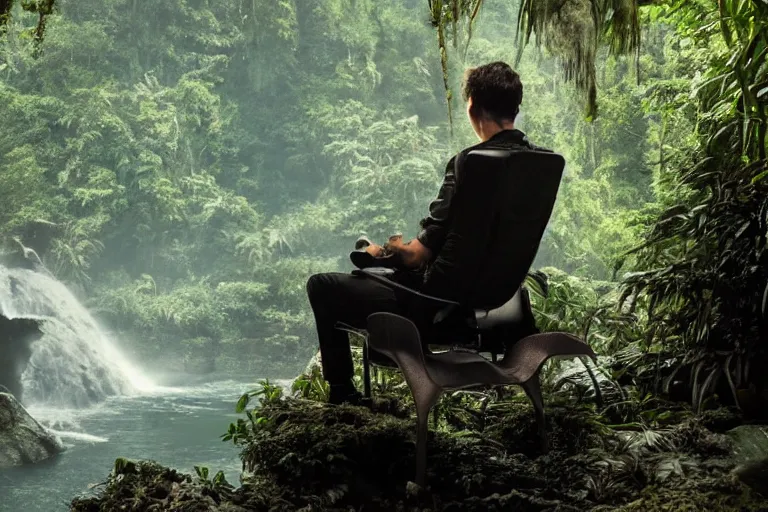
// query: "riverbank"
[[303, 454]]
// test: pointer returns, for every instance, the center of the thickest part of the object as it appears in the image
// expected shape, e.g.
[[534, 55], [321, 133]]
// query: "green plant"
[[704, 261], [242, 431], [218, 483], [311, 386]]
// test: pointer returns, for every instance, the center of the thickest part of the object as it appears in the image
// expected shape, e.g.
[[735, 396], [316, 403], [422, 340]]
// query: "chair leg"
[[366, 371], [532, 388], [499, 389], [398, 338], [425, 399]]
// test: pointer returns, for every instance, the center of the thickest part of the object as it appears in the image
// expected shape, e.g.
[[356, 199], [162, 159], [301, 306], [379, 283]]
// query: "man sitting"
[[493, 93]]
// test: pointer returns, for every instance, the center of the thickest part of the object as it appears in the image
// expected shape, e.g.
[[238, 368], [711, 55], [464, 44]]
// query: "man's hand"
[[414, 254], [375, 250], [396, 244]]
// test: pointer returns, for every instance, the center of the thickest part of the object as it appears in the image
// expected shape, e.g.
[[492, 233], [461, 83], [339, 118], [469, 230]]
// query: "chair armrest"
[[391, 284]]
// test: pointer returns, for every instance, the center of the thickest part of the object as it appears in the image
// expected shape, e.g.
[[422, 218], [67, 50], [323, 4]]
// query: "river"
[[178, 424]]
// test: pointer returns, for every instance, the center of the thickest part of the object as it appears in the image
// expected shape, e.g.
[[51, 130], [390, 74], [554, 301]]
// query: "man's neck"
[[494, 128]]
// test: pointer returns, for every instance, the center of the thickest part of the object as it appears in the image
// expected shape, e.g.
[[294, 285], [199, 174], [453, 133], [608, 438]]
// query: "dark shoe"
[[354, 398], [345, 393]]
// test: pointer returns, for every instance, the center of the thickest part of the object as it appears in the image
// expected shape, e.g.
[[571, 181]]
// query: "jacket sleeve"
[[434, 227]]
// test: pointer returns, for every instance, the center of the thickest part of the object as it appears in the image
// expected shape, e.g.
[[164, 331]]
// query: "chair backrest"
[[501, 207]]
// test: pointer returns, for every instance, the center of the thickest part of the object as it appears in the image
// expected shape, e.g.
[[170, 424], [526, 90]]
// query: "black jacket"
[[435, 227]]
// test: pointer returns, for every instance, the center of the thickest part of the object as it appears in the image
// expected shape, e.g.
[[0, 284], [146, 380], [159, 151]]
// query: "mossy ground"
[[307, 455]]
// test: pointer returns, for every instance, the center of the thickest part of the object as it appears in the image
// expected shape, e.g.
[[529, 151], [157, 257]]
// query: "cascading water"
[[74, 363]]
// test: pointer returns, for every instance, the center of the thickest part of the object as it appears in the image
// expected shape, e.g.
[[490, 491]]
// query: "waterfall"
[[74, 363]]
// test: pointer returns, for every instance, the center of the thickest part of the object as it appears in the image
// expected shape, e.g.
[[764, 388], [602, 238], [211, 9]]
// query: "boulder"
[[750, 452], [16, 338], [22, 439], [315, 364], [750, 442]]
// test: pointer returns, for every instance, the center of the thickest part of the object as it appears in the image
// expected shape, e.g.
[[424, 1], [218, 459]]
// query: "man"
[[493, 93]]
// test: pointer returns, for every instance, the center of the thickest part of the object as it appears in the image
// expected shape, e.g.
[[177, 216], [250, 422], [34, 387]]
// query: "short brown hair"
[[495, 89]]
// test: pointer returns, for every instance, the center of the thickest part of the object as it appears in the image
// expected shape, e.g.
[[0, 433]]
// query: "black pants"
[[350, 299]]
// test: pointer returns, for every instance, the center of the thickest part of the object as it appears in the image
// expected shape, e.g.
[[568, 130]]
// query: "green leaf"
[[242, 403], [759, 177], [202, 472]]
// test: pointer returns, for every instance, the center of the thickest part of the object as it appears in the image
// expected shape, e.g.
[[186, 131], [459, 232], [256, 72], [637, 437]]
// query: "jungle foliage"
[[189, 164], [703, 266]]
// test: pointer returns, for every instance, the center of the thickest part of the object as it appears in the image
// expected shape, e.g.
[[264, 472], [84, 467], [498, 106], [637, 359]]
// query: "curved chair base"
[[428, 375]]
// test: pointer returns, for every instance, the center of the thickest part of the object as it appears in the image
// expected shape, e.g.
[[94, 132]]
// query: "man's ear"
[[477, 113]]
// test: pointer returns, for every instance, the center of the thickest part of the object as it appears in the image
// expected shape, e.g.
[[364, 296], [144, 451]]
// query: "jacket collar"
[[514, 135]]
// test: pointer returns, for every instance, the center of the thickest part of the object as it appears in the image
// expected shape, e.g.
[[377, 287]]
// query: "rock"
[[145, 485], [750, 452], [754, 475], [16, 338], [315, 364], [750, 443], [22, 439]]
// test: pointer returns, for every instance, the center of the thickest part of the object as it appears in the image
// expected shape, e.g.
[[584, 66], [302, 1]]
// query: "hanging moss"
[[5, 14], [570, 29], [43, 8], [447, 15]]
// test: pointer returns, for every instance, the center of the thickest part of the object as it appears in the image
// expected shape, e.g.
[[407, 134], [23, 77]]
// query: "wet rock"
[[16, 338], [314, 364], [754, 475], [22, 439], [750, 451], [750, 442]]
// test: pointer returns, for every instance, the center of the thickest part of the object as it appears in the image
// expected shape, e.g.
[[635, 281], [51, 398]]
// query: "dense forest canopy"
[[188, 164]]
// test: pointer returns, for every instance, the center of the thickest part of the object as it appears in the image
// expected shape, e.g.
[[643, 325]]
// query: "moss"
[[147, 486], [696, 497]]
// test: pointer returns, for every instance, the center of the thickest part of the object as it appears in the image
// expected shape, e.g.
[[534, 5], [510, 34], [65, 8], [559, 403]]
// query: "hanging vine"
[[5, 14], [43, 8], [444, 15], [571, 30]]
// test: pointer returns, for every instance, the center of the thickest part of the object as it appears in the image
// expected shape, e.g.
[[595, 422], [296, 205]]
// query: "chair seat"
[[457, 370], [397, 339], [376, 358], [486, 330]]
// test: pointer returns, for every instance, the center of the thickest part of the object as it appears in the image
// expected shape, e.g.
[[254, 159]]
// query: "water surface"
[[178, 425]]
